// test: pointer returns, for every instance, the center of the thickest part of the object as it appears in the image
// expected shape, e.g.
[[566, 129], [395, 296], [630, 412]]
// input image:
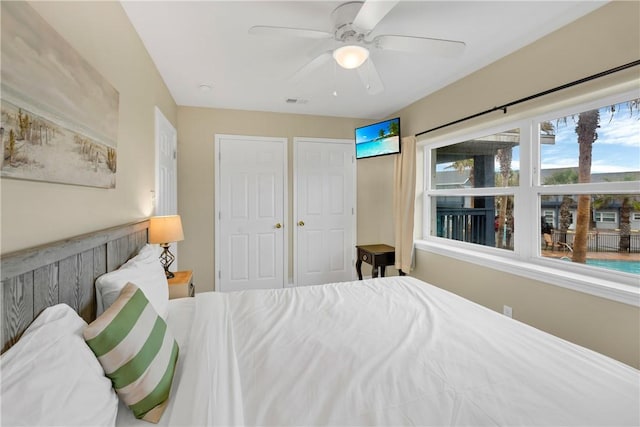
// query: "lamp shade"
[[351, 56], [165, 229]]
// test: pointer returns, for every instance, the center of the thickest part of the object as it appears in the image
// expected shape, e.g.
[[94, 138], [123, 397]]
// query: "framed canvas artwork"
[[59, 115]]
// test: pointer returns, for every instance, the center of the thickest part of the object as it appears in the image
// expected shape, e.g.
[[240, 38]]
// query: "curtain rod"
[[537, 95]]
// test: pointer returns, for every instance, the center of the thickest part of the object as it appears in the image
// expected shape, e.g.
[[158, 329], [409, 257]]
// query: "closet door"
[[251, 210], [324, 211]]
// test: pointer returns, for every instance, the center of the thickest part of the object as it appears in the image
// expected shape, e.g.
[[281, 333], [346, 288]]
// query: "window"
[[485, 191], [478, 176], [591, 189], [549, 217], [606, 217]]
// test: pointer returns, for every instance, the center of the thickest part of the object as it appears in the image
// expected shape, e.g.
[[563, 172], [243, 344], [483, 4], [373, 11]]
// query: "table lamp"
[[166, 230]]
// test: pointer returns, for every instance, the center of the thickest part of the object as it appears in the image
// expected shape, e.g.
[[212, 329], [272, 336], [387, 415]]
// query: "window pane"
[[486, 220], [613, 132], [490, 161], [612, 238]]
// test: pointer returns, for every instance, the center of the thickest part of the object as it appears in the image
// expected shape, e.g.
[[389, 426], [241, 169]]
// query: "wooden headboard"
[[62, 272]]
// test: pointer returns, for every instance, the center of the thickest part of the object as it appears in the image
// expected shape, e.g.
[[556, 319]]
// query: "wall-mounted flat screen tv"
[[378, 139]]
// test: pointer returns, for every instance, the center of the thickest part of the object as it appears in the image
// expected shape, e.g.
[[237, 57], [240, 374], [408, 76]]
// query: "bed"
[[385, 351]]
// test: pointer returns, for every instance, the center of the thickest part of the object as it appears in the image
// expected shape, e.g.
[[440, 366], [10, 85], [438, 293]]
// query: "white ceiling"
[[207, 42]]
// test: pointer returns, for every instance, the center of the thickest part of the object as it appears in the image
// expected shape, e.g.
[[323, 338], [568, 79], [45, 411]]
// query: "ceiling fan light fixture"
[[351, 56]]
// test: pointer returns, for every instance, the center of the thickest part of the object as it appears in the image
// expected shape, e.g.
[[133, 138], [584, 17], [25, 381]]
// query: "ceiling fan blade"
[[372, 12], [427, 45], [265, 30], [314, 64], [370, 78]]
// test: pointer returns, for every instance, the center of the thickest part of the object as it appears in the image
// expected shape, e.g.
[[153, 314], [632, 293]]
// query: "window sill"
[[621, 292]]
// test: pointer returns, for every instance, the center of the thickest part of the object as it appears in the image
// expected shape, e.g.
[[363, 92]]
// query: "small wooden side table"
[[181, 285], [379, 256]]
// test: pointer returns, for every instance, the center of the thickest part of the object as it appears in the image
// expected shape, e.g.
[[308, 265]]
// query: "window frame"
[[525, 259]]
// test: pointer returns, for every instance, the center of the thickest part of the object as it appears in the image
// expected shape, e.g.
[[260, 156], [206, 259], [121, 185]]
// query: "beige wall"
[[196, 131], [607, 38], [37, 212]]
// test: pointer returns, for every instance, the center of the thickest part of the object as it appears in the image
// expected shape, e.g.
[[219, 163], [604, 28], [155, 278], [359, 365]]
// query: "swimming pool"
[[632, 267]]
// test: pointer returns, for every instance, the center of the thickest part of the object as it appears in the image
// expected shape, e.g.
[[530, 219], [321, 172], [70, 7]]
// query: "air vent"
[[296, 101]]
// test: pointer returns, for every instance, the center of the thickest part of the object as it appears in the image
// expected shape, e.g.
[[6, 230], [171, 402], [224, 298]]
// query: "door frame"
[[216, 207], [294, 197]]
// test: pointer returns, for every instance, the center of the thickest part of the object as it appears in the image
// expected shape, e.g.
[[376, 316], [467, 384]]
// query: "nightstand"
[[379, 256], [181, 285]]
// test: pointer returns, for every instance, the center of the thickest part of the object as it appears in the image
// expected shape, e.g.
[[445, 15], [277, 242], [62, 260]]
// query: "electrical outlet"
[[507, 311]]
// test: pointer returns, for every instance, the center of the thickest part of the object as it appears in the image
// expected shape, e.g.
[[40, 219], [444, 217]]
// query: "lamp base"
[[166, 259]]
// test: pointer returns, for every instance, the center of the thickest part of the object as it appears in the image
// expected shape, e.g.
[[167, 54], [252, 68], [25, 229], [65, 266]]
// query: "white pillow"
[[51, 377], [145, 271]]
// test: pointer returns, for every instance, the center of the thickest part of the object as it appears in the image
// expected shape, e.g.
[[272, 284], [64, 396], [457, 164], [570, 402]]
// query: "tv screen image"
[[378, 139]]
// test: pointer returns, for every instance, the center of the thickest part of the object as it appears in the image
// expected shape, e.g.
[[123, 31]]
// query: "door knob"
[[278, 225], [301, 223]]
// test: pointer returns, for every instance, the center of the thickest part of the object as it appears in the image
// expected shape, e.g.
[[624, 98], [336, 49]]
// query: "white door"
[[324, 211], [250, 232], [166, 191]]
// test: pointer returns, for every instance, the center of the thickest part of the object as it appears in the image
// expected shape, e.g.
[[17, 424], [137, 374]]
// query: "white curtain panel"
[[404, 202]]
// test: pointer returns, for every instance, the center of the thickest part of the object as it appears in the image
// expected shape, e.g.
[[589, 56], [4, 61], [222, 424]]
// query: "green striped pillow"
[[136, 351]]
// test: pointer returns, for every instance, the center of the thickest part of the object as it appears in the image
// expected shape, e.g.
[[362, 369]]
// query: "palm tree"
[[547, 127], [567, 176], [393, 128], [504, 156], [463, 165], [588, 123], [564, 176], [628, 202]]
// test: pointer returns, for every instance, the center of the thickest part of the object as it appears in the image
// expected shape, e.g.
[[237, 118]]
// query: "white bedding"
[[389, 351]]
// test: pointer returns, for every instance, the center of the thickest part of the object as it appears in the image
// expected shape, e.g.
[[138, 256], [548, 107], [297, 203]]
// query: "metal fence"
[[467, 225], [597, 241], [477, 226]]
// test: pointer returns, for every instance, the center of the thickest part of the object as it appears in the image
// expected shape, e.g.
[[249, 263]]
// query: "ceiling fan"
[[353, 22]]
